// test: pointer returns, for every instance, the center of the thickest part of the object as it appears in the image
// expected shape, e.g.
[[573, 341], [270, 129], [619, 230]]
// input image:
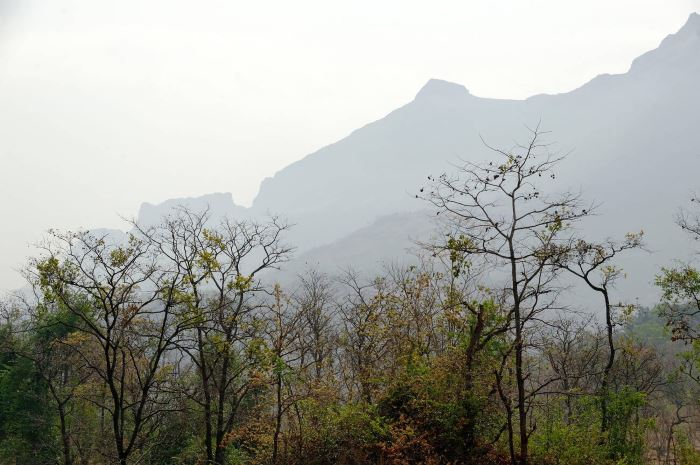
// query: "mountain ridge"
[[691, 29], [633, 133]]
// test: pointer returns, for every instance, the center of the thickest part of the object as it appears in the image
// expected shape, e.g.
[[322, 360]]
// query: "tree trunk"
[[475, 336], [207, 398], [278, 418], [509, 417], [519, 375], [65, 436], [608, 367], [219, 455]]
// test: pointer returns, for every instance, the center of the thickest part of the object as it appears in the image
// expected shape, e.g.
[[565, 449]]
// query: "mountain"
[[633, 137], [217, 204]]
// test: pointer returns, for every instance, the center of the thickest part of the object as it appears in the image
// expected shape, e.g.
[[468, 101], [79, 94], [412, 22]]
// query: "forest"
[[180, 346]]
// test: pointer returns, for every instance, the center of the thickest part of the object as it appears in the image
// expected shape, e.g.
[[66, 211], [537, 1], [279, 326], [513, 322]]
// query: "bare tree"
[[573, 352], [498, 212], [363, 340], [595, 265], [220, 265], [315, 297], [690, 220]]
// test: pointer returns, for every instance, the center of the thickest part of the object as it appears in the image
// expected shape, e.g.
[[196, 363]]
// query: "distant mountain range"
[[635, 141]]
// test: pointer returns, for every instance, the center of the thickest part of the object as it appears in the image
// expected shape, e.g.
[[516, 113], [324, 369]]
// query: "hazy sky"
[[106, 104]]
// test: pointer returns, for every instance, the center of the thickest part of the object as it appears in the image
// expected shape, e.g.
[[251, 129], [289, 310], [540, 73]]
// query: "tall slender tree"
[[498, 211], [594, 263]]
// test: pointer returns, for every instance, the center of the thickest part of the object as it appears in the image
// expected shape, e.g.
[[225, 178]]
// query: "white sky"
[[106, 104]]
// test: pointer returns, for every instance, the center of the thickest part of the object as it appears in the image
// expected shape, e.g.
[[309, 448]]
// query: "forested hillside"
[[171, 345]]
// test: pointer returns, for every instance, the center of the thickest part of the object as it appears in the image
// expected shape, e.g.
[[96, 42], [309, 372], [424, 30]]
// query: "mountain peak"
[[690, 30], [437, 89], [693, 21], [680, 48]]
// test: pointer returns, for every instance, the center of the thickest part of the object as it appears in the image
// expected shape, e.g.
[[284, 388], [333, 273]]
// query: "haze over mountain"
[[447, 277], [633, 137]]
